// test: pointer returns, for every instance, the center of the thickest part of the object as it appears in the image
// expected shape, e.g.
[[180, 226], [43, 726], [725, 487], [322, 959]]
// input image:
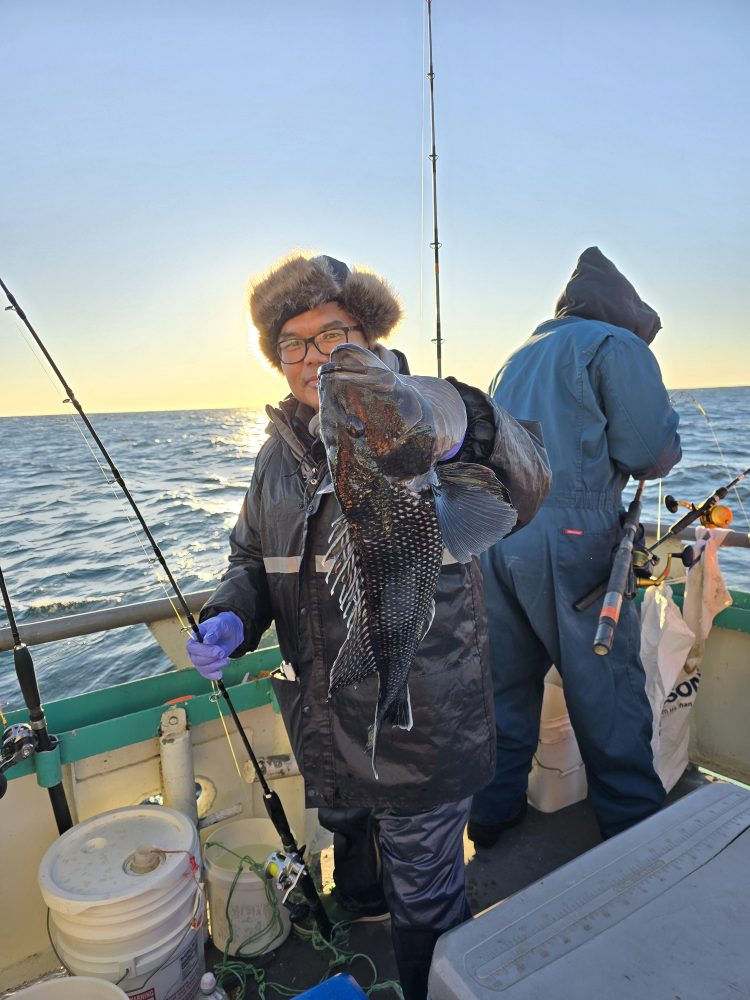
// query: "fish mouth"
[[351, 359]]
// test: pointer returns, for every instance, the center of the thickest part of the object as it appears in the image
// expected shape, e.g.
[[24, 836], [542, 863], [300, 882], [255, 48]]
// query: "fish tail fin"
[[473, 509]]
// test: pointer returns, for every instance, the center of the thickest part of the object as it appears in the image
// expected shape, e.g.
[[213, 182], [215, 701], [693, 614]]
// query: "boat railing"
[[147, 612], [103, 620]]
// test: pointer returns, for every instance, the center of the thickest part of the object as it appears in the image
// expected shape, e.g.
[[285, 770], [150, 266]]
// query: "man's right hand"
[[221, 636]]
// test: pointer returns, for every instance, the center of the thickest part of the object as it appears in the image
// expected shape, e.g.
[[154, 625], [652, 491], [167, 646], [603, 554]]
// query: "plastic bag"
[[666, 641], [672, 647]]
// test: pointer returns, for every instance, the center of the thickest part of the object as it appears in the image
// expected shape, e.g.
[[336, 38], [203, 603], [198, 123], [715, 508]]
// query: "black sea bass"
[[382, 433]]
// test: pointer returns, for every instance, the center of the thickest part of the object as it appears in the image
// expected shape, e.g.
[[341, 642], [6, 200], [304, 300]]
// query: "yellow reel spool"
[[718, 516]]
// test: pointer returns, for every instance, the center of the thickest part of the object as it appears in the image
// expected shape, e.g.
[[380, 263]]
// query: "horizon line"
[[216, 409]]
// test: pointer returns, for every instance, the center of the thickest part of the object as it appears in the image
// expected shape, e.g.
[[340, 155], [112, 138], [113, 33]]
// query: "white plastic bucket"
[[558, 777], [554, 708], [72, 988], [249, 908], [551, 789], [125, 901]]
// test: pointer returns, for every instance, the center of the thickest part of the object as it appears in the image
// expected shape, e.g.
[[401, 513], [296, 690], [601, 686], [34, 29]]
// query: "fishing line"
[[704, 413], [658, 508], [31, 344], [131, 523], [271, 800], [245, 787], [77, 424], [438, 340], [421, 170]]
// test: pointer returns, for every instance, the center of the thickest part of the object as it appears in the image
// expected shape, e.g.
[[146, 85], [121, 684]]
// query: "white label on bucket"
[[179, 979]]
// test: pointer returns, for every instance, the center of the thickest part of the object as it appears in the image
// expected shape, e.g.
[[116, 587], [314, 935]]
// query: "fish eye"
[[354, 427]]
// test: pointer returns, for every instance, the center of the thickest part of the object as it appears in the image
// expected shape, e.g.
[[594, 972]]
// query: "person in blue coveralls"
[[590, 378]]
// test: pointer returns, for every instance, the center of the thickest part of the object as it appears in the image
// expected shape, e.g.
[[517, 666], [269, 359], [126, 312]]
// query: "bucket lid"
[[116, 856]]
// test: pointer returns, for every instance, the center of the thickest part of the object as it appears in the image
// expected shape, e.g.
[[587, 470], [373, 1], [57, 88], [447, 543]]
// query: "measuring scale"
[[661, 911]]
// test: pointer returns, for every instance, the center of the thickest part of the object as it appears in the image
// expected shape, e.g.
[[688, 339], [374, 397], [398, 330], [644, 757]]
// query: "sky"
[[156, 155]]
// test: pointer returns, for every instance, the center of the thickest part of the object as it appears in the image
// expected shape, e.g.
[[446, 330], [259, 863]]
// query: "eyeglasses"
[[292, 350]]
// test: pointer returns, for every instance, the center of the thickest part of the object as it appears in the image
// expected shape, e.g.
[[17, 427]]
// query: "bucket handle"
[[135, 969]]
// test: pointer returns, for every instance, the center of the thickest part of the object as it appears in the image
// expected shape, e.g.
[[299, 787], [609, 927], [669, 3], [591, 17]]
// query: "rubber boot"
[[413, 950]]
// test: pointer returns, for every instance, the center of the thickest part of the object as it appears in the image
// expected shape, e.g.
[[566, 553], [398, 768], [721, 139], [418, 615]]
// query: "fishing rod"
[[21, 741], [438, 341], [271, 800], [640, 559], [621, 583], [710, 513]]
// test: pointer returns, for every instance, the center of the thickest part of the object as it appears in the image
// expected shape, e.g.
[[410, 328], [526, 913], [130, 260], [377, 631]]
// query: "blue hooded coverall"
[[591, 380]]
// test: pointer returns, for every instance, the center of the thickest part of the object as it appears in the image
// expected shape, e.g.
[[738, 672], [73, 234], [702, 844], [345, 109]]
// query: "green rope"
[[242, 971], [274, 923]]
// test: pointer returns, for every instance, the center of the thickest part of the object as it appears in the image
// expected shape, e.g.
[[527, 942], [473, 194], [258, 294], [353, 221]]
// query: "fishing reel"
[[648, 579], [286, 870], [644, 560], [713, 515], [710, 513], [19, 742]]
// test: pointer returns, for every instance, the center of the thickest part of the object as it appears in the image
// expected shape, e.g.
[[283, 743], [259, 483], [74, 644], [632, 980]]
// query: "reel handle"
[[687, 556]]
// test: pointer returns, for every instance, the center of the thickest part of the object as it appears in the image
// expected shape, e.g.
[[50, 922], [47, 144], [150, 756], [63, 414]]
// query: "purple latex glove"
[[453, 452], [221, 636]]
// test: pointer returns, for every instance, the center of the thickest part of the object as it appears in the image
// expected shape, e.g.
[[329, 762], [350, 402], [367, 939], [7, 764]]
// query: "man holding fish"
[[358, 537]]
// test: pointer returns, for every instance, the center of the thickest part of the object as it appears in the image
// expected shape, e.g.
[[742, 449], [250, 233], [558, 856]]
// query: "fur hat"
[[299, 283]]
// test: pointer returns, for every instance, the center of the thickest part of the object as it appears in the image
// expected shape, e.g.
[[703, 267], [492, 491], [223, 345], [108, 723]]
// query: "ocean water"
[[67, 543]]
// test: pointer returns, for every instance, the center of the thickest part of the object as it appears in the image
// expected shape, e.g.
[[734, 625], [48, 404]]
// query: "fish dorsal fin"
[[355, 659], [473, 509]]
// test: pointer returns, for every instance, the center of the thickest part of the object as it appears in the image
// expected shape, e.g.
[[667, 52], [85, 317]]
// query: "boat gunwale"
[[37, 633], [114, 717]]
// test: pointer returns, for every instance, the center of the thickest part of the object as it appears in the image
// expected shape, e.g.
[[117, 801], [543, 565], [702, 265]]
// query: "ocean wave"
[[59, 606]]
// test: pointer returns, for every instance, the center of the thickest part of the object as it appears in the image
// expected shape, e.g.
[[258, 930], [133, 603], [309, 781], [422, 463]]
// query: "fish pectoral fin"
[[473, 508]]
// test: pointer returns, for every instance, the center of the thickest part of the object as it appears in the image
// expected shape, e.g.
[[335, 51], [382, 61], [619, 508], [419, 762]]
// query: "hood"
[[596, 290]]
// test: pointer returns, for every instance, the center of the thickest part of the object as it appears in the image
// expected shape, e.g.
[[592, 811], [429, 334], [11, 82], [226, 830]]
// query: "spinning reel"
[[19, 742], [286, 870]]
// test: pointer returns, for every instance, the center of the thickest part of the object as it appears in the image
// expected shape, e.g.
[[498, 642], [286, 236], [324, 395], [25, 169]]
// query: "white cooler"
[[659, 912]]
